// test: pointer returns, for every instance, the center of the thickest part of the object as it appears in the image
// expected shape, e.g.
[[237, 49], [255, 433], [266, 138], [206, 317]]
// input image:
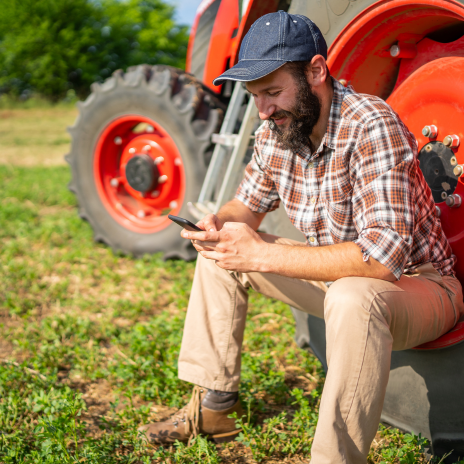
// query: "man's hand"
[[210, 223], [235, 247]]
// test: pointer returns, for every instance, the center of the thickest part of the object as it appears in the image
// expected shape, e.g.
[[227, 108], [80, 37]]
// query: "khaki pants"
[[365, 320]]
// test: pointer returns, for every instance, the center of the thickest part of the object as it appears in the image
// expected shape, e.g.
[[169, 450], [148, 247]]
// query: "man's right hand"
[[210, 223]]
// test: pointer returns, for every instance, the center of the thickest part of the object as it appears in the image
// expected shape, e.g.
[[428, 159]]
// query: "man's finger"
[[214, 255], [210, 223], [206, 245], [201, 236]]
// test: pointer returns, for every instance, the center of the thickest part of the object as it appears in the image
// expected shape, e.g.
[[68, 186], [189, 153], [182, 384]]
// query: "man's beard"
[[304, 116]]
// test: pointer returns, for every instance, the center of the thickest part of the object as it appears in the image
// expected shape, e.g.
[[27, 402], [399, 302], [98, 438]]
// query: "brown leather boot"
[[193, 419]]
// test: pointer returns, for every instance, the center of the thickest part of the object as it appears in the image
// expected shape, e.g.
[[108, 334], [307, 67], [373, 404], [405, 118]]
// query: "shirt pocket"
[[339, 217]]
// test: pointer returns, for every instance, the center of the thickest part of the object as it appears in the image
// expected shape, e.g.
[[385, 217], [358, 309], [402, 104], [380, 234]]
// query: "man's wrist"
[[264, 260]]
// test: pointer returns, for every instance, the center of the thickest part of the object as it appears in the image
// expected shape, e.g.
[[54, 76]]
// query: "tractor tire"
[[161, 112]]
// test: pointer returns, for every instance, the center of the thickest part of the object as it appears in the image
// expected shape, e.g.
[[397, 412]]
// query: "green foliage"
[[59, 47], [278, 436], [200, 451]]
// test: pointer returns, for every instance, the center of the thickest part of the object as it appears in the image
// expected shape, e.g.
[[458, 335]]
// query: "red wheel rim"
[[122, 139]]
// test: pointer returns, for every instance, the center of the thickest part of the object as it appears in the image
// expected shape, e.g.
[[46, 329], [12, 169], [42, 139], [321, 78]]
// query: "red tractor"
[[156, 140]]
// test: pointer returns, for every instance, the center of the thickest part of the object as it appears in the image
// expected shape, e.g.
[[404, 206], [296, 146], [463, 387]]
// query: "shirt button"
[[312, 239], [313, 200], [310, 165]]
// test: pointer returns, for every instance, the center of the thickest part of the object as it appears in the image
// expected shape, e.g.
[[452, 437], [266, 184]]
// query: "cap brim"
[[248, 70]]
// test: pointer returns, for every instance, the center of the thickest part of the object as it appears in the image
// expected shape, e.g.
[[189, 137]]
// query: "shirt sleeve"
[[384, 170], [257, 190]]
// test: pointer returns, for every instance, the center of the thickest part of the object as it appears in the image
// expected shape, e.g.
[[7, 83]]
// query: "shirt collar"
[[333, 123]]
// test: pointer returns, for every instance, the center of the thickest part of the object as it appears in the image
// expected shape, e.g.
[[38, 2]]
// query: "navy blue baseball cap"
[[273, 40]]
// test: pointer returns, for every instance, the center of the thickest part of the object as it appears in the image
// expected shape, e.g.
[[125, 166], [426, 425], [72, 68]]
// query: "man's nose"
[[265, 109]]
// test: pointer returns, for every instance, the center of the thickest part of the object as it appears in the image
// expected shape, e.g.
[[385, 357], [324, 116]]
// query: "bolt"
[[118, 140], [451, 141], [453, 161], [430, 131], [141, 214], [146, 148], [454, 201], [159, 160], [177, 161], [458, 170], [173, 204], [131, 150], [428, 147], [438, 211], [394, 51], [114, 182], [444, 195], [155, 194], [162, 179]]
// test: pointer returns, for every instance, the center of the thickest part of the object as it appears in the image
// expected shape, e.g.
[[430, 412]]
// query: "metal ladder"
[[226, 142]]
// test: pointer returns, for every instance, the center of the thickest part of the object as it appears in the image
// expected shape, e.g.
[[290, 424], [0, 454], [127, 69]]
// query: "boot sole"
[[225, 437]]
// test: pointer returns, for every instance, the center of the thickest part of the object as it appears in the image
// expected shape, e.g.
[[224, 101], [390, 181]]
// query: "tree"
[[51, 46]]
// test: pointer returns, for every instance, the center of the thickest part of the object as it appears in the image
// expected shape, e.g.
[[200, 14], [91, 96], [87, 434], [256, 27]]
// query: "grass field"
[[89, 340]]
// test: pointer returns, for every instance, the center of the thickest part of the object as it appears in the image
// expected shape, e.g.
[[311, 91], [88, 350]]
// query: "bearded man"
[[376, 266]]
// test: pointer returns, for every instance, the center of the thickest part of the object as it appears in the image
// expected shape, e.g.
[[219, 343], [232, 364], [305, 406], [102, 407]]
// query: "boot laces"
[[190, 414]]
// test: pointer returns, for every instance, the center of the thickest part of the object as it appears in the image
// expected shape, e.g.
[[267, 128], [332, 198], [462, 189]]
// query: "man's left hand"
[[236, 247]]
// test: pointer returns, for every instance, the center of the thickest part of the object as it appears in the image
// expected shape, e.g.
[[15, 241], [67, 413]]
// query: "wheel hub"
[[141, 173], [437, 162]]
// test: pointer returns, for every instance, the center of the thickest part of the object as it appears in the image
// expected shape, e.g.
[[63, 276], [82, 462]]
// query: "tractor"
[[157, 140]]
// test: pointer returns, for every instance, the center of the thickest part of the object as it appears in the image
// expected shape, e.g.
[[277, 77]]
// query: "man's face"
[[285, 99]]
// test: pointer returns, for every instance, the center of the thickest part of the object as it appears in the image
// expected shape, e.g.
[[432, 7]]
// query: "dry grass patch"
[[36, 136]]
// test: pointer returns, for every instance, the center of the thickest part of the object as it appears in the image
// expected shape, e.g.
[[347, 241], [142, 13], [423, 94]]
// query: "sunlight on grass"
[[35, 135]]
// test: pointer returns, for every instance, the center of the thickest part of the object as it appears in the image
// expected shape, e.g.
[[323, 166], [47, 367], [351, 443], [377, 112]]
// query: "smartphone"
[[186, 224]]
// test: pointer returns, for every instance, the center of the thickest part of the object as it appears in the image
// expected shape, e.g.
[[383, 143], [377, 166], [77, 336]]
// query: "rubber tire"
[[184, 108]]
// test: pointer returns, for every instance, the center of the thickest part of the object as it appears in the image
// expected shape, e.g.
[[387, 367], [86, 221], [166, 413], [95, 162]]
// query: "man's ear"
[[317, 72]]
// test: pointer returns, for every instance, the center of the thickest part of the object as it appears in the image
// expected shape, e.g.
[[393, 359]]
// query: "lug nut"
[[458, 170], [430, 131], [131, 150], [146, 148], [343, 82], [162, 179], [451, 141], [173, 204], [159, 160], [155, 194], [177, 161], [454, 200], [114, 182], [437, 211], [150, 129], [118, 140], [141, 214]]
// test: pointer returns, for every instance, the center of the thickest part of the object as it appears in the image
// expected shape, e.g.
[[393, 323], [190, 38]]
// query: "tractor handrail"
[[227, 127]]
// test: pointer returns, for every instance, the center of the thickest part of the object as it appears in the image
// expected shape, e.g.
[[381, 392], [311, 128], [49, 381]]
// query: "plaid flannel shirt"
[[363, 184]]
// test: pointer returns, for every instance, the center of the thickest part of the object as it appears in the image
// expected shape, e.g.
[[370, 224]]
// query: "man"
[[377, 266]]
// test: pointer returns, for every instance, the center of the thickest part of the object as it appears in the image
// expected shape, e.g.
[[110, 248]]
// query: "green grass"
[[89, 345]]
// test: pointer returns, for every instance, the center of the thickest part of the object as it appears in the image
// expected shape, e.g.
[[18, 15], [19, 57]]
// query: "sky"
[[185, 10]]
